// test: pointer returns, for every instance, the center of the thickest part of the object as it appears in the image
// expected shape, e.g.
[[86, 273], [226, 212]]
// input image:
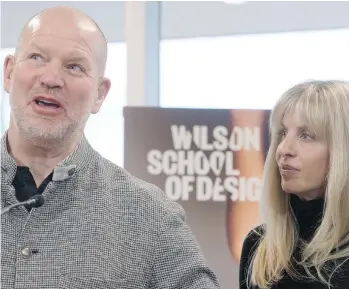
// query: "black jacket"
[[308, 215]]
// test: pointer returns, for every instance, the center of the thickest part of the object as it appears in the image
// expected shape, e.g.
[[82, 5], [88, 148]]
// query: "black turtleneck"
[[308, 216]]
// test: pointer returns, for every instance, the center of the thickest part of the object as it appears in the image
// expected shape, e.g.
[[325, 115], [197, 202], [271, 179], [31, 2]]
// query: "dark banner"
[[211, 162]]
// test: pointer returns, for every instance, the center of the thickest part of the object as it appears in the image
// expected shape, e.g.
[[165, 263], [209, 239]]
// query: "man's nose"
[[52, 76]]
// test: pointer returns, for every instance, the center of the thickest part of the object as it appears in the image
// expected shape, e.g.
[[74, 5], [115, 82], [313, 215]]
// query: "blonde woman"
[[304, 239]]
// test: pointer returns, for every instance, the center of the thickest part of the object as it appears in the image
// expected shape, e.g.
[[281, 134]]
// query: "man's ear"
[[9, 65], [103, 91]]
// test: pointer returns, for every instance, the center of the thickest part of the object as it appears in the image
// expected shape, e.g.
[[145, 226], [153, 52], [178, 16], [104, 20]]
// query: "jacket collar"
[[80, 158]]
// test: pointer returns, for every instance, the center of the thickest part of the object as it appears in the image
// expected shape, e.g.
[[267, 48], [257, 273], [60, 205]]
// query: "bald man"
[[99, 226]]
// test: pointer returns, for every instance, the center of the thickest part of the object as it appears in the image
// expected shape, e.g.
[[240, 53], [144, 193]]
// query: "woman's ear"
[[9, 65], [103, 91]]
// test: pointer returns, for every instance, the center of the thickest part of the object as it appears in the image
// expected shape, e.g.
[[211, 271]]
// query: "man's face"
[[54, 81]]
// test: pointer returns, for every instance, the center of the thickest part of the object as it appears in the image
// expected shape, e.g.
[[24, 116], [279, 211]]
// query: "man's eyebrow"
[[34, 45], [71, 55], [78, 58]]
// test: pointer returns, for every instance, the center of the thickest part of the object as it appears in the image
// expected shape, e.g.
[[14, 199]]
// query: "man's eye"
[[35, 57], [75, 67]]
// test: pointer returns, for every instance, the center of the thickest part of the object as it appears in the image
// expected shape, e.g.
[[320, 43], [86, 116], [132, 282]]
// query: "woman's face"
[[302, 158]]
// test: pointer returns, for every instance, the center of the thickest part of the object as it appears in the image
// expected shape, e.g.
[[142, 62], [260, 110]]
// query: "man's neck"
[[40, 160]]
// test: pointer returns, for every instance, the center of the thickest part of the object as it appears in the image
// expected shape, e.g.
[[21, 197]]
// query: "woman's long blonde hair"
[[324, 107]]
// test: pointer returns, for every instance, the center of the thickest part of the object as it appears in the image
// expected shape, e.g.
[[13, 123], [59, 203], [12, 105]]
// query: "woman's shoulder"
[[249, 246], [252, 238], [250, 243]]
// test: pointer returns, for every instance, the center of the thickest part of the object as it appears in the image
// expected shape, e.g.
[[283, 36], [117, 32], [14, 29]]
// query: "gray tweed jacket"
[[100, 227]]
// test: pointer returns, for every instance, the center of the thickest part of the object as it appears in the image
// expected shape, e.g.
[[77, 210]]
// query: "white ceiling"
[[192, 19]]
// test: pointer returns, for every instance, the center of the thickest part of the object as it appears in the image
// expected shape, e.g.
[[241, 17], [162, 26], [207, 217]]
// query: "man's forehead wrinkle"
[[80, 26]]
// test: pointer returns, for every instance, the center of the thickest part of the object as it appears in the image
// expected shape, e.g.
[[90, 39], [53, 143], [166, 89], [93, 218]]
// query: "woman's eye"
[[307, 136]]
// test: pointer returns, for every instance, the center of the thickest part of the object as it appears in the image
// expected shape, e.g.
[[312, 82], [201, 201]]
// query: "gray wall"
[[192, 19]]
